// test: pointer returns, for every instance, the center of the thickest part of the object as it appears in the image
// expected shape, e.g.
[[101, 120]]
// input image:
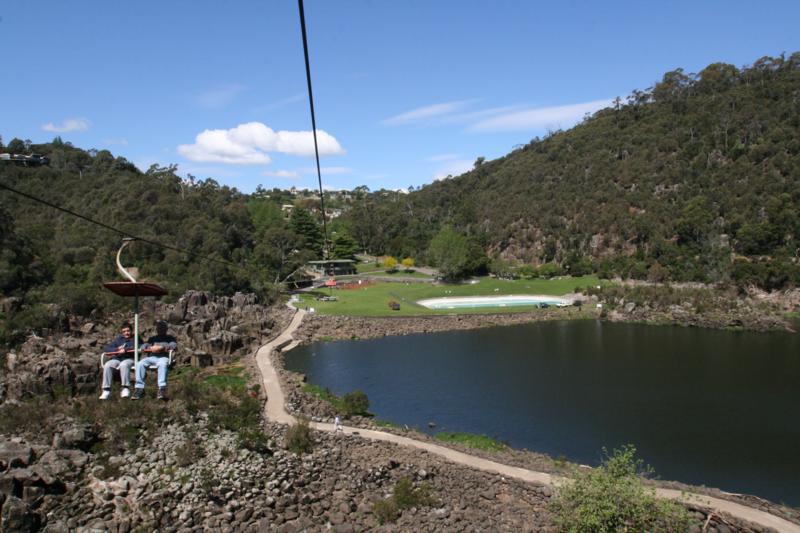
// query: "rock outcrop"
[[210, 330]]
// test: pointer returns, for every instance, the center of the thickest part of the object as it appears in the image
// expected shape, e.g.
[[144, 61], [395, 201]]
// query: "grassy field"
[[373, 300]]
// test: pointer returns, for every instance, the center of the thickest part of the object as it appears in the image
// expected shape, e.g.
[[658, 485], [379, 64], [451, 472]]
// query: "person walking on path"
[[158, 346], [337, 424], [120, 353]]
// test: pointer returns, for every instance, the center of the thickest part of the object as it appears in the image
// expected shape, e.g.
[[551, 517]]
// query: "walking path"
[[276, 411]]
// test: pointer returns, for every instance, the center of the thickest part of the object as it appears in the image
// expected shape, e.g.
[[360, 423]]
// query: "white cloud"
[[427, 112], [284, 174], [219, 97], [249, 144], [70, 124], [453, 168], [554, 117], [474, 116]]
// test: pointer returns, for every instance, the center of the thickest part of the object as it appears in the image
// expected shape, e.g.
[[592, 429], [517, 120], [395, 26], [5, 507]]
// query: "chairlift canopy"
[[130, 288]]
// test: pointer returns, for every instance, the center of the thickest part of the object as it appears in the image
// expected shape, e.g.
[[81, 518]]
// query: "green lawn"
[[373, 300]]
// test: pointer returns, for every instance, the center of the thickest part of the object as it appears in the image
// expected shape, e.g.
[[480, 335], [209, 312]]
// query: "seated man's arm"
[[114, 346]]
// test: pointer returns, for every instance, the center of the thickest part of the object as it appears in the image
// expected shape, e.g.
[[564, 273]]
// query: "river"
[[706, 407]]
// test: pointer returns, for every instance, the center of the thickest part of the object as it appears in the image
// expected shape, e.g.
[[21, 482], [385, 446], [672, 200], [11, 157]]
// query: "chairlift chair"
[[135, 289]]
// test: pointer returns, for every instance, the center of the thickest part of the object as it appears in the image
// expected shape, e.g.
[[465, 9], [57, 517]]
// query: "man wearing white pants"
[[120, 353], [158, 346]]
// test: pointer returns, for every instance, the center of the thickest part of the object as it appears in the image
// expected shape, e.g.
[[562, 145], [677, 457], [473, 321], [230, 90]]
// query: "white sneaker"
[[105, 394], [126, 392]]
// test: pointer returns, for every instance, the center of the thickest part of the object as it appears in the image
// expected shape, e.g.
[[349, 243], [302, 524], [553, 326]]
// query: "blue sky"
[[405, 91]]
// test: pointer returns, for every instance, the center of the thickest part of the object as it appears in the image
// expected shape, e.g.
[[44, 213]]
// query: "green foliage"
[[351, 404], [304, 225], [686, 175], [385, 511], [344, 246], [298, 437], [481, 442], [47, 256], [404, 496], [230, 378], [449, 252], [613, 497], [355, 403]]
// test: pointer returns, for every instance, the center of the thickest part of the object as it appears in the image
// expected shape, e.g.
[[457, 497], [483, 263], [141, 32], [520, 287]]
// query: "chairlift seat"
[[133, 368]]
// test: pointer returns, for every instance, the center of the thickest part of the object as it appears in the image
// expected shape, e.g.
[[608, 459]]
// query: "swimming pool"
[[493, 301]]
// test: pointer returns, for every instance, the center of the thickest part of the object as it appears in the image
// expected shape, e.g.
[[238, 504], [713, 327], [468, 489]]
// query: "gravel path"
[[275, 411]]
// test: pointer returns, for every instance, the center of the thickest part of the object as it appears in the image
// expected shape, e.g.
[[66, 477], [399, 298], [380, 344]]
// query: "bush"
[[298, 437], [355, 403], [404, 496], [613, 497], [385, 511]]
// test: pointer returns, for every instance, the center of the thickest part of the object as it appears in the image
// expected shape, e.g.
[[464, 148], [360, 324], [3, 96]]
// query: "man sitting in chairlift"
[[120, 354], [158, 346]]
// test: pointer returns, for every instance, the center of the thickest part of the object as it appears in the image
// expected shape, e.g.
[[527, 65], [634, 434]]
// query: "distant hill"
[[228, 241], [696, 178]]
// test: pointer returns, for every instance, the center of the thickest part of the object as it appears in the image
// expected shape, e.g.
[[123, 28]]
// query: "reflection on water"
[[702, 406]]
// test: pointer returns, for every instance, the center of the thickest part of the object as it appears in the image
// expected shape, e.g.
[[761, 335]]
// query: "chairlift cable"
[[117, 230], [313, 124]]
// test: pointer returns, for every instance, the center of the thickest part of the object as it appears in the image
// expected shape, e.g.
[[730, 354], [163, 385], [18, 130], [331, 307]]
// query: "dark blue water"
[[702, 406]]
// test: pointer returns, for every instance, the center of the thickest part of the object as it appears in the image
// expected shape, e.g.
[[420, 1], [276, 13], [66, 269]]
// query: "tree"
[[408, 263], [264, 215], [390, 263], [16, 146], [449, 252], [276, 251], [344, 247], [303, 224]]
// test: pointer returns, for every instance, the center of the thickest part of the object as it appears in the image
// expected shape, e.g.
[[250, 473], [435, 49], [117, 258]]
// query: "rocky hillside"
[[694, 179], [210, 331]]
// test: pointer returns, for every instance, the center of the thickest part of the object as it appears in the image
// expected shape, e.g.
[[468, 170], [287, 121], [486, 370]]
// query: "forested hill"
[[232, 241], [696, 178]]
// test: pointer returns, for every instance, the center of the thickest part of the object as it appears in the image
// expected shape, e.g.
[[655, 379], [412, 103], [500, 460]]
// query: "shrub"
[[254, 439], [298, 437], [385, 511], [355, 403], [613, 497], [404, 496]]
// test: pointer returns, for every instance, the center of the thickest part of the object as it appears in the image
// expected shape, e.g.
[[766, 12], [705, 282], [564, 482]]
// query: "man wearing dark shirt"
[[158, 346], [120, 354]]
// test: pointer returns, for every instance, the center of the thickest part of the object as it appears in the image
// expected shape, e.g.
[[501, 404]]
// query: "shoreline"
[[328, 328]]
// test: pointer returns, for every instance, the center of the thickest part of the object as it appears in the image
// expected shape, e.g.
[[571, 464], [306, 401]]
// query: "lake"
[[706, 407]]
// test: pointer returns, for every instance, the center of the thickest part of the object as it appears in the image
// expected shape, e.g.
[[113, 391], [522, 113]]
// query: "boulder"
[[15, 455], [18, 516]]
